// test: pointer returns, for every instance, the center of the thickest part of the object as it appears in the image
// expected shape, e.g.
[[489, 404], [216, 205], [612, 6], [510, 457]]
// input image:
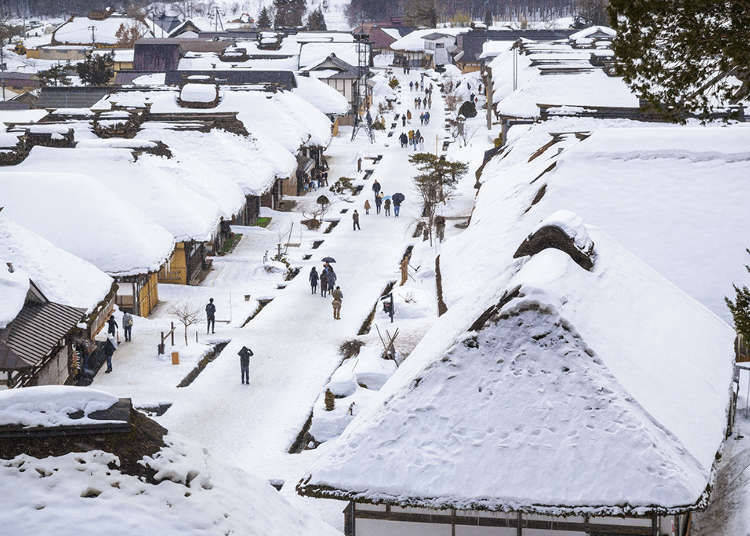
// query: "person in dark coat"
[[378, 203], [376, 187], [112, 326], [403, 120], [387, 207], [210, 316], [331, 277], [323, 281], [314, 280], [245, 353], [411, 86], [109, 348]]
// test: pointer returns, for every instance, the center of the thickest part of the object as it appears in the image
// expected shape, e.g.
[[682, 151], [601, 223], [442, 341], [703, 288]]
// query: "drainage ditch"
[[205, 360]]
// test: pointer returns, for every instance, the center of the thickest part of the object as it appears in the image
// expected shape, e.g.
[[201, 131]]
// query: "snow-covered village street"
[[536, 319]]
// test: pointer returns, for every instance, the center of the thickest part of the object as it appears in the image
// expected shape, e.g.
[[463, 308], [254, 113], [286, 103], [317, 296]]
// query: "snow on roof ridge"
[[13, 288]]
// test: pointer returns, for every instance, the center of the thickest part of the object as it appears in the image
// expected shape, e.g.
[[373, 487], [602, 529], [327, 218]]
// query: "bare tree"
[[187, 315]]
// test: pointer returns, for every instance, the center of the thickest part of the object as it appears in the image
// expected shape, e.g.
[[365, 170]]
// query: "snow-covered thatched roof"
[[78, 30], [321, 95], [414, 41], [13, 286], [562, 390], [61, 276], [77, 213]]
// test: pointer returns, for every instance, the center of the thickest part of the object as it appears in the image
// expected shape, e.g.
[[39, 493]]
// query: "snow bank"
[[51, 405], [61, 276], [82, 494], [13, 288]]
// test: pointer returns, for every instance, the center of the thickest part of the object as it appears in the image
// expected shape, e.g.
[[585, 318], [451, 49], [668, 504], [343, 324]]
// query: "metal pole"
[[172, 332]]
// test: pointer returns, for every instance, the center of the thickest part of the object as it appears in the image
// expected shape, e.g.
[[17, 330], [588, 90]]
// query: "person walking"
[[403, 120], [387, 207], [323, 281], [411, 137], [127, 326], [245, 353], [408, 115], [109, 348], [427, 117], [411, 86], [313, 279], [331, 277], [404, 140], [396, 206], [338, 298], [417, 136], [378, 203], [355, 221], [376, 187], [421, 143], [112, 326], [210, 316], [368, 206]]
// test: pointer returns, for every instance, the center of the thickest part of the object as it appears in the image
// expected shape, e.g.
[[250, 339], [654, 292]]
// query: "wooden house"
[[187, 265], [551, 410], [337, 74], [36, 348]]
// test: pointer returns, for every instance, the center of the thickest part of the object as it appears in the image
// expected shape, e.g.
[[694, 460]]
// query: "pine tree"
[[683, 55], [54, 76], [740, 308], [316, 21], [96, 70], [264, 19]]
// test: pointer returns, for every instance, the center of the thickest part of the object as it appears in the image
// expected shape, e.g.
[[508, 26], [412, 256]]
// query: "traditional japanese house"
[[112, 234], [554, 405], [36, 344]]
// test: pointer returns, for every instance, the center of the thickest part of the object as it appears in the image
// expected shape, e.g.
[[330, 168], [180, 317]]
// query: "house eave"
[[489, 504]]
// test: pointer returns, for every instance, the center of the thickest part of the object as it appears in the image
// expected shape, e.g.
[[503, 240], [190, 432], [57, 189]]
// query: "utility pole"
[[93, 34]]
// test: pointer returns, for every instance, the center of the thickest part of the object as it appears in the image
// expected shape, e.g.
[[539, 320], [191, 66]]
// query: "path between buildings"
[[295, 338]]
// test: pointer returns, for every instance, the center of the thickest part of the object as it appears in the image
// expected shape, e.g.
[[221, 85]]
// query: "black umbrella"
[[398, 198], [328, 259]]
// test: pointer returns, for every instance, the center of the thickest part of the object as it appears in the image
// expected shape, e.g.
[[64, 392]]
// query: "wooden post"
[[655, 525], [171, 332], [519, 521], [488, 94]]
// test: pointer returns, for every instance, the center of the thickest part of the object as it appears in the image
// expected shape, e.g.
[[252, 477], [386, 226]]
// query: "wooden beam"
[[508, 522]]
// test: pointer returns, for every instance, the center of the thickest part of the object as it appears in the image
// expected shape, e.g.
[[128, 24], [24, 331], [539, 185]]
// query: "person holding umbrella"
[[398, 198]]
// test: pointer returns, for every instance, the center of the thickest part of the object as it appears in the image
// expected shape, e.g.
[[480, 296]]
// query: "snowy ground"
[[294, 338]]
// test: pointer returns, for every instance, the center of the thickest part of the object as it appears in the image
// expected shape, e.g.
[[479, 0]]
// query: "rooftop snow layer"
[[414, 41], [152, 184], [78, 30], [13, 288], [87, 219], [61, 276], [51, 405], [580, 390], [321, 95]]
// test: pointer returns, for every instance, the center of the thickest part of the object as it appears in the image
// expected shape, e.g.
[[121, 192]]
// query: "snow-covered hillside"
[[203, 12]]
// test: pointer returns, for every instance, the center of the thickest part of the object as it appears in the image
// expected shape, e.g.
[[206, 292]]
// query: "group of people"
[[383, 202], [318, 180], [113, 338], [327, 278], [413, 139], [424, 118]]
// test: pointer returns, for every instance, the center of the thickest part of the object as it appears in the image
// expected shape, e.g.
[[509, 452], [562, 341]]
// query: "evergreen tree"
[[488, 18], [591, 12], [289, 13], [54, 76], [316, 21], [684, 55], [96, 70], [264, 19], [420, 13], [740, 309]]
